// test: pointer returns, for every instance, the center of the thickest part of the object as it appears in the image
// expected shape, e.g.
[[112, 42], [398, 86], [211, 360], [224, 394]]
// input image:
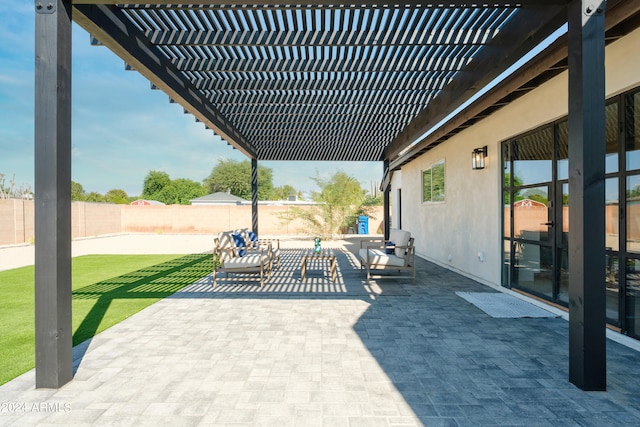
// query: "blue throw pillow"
[[240, 244], [388, 250], [253, 236]]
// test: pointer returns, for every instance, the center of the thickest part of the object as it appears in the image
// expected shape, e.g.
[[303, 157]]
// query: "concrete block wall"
[[95, 219], [16, 221]]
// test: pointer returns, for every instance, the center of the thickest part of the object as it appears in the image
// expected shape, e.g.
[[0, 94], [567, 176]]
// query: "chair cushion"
[[401, 238], [253, 236], [225, 239], [247, 261], [240, 244], [380, 258]]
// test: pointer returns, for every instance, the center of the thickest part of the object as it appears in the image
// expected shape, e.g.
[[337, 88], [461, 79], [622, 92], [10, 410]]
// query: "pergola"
[[358, 80]]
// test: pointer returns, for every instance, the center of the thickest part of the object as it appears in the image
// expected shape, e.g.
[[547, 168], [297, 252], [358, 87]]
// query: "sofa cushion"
[[240, 244], [380, 258], [250, 260], [388, 250], [244, 233], [401, 238], [225, 240]]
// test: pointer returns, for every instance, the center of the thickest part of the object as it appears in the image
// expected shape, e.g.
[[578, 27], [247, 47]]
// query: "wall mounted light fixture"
[[477, 157]]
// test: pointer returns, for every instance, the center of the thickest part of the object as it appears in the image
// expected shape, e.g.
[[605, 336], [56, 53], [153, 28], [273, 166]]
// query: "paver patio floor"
[[323, 354]]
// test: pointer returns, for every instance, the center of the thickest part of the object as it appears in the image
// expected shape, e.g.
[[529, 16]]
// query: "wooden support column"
[[587, 317], [254, 195], [53, 193]]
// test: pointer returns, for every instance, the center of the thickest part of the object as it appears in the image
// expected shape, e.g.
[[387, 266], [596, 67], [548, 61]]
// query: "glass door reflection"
[[533, 229]]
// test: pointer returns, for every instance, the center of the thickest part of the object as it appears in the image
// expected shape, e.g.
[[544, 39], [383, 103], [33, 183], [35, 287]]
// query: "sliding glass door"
[[536, 212]]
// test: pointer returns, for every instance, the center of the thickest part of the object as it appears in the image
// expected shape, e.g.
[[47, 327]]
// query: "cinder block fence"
[[95, 219]]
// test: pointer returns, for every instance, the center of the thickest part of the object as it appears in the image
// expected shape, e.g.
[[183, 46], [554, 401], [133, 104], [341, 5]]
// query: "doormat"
[[500, 305]]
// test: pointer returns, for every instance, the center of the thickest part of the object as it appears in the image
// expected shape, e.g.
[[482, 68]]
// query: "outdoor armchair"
[[397, 254], [227, 259]]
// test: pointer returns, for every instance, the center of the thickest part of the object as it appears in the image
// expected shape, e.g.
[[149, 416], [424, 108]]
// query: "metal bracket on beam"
[[591, 10], [48, 7]]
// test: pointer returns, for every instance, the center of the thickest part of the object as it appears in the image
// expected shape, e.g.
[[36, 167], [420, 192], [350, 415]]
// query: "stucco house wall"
[[463, 232]]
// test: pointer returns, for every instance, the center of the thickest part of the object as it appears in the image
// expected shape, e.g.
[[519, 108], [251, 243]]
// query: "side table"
[[325, 254]]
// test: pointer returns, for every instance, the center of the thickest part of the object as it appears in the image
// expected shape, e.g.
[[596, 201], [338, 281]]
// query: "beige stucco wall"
[[16, 224], [95, 219], [463, 233]]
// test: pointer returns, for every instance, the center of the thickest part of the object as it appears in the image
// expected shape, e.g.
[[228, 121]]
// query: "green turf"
[[106, 290]]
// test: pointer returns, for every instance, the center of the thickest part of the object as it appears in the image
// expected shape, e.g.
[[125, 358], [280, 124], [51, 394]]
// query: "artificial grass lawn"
[[106, 290]]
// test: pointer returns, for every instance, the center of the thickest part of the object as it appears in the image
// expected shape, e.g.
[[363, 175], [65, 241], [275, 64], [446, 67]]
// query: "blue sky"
[[121, 129]]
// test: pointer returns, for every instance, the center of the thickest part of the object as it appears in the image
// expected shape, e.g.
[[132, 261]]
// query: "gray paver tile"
[[334, 359]]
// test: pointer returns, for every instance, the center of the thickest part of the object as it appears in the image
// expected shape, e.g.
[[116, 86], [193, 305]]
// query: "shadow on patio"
[[150, 284], [323, 353], [438, 357]]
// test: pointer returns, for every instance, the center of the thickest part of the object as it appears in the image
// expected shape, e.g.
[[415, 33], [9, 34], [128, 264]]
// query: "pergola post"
[[386, 202], [587, 318], [254, 195], [52, 133]]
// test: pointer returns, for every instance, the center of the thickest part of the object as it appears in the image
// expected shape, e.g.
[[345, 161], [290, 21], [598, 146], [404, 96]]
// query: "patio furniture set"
[[242, 252]]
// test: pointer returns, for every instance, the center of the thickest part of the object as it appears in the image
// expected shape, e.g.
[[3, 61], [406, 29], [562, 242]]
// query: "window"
[[536, 248], [433, 183]]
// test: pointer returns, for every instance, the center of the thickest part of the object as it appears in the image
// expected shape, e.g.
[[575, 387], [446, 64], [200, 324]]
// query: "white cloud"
[[9, 80]]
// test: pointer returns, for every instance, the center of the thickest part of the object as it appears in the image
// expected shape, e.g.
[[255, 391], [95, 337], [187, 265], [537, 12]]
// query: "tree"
[[168, 195], [154, 182], [11, 192], [372, 200], [517, 182], [116, 196], [94, 197], [235, 177], [340, 200], [186, 190], [159, 186], [77, 192], [283, 193]]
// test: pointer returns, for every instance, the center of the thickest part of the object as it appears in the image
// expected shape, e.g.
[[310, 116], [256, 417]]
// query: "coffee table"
[[325, 254]]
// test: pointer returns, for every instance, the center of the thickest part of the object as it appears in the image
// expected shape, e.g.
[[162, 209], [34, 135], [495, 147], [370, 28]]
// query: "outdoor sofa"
[[253, 242]]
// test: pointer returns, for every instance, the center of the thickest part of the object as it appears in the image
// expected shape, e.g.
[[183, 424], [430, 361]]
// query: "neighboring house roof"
[[143, 202], [222, 198], [528, 203], [219, 198]]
